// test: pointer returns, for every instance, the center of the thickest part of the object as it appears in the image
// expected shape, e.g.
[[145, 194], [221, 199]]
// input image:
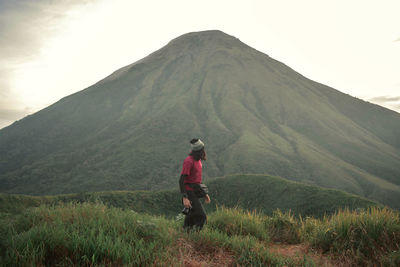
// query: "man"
[[191, 175]]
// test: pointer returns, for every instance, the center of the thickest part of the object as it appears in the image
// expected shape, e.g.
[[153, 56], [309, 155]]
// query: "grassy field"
[[94, 234]]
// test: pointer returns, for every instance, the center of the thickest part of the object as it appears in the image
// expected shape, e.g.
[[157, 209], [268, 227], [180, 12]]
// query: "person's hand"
[[207, 199], [186, 203]]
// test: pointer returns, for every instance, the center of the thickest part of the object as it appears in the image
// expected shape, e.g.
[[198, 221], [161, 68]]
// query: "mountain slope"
[[131, 130], [252, 192]]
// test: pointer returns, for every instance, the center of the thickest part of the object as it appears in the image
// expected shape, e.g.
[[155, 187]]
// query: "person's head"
[[198, 152]]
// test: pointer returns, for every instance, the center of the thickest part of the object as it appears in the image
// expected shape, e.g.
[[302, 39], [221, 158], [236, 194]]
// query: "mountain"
[[131, 130], [271, 193]]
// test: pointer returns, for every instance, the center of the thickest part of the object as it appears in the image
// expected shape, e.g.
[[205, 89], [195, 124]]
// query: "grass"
[[238, 222], [283, 227], [93, 234], [84, 234], [363, 236], [248, 250]]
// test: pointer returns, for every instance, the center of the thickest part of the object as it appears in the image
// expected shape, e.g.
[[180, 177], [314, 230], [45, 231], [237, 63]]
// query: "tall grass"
[[364, 236], [280, 227], [85, 234], [248, 249], [96, 235], [283, 227], [238, 222], [248, 234]]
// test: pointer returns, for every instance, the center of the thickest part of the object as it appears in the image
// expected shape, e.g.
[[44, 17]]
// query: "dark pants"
[[197, 215]]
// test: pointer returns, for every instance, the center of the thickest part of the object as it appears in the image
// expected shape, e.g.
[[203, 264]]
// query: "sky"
[[52, 48]]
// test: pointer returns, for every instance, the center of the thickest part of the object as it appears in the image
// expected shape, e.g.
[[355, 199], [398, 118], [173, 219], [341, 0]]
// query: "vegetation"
[[131, 131], [85, 234], [271, 193], [93, 234], [362, 236], [268, 193]]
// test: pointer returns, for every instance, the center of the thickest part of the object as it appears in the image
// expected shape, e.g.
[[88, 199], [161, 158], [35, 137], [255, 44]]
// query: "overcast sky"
[[50, 49]]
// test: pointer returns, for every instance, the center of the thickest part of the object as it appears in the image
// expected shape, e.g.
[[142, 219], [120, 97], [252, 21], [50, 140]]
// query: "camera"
[[185, 210]]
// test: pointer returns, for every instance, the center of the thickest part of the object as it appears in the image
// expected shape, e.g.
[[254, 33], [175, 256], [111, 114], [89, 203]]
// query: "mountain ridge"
[[255, 114]]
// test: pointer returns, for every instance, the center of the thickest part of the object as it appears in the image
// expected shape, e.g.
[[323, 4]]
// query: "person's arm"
[[185, 199], [182, 185]]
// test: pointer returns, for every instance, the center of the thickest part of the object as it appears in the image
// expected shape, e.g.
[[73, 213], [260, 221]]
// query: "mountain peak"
[[199, 45], [194, 43], [209, 34], [205, 38]]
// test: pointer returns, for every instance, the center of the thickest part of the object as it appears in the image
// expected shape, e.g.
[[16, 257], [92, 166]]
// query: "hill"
[[131, 130], [251, 192]]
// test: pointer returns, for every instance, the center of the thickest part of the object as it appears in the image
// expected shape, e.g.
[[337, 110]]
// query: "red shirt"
[[193, 169]]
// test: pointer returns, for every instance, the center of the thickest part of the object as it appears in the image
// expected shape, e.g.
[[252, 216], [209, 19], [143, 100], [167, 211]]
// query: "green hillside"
[[131, 130], [251, 192]]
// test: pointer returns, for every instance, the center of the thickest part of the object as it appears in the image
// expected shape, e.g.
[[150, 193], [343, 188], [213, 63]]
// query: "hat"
[[196, 145]]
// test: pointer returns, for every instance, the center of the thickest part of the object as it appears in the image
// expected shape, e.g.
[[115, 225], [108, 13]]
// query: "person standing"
[[191, 175]]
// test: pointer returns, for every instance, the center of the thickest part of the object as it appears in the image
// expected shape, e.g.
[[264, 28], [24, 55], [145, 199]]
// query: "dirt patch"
[[298, 251], [192, 255]]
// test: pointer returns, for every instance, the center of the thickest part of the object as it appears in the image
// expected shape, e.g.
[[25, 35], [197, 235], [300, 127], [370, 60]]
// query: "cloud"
[[390, 102], [13, 114], [25, 25], [8, 116], [395, 107], [7, 97], [385, 99]]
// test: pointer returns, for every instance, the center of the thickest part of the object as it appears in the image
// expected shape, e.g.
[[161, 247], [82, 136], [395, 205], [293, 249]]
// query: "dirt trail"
[[193, 255], [299, 250]]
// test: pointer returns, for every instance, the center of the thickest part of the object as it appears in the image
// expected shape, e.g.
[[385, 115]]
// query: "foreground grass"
[[371, 235], [84, 234], [92, 234]]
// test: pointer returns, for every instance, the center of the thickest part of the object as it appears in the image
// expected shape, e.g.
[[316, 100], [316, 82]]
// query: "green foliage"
[[238, 222], [85, 234], [249, 251], [93, 234], [363, 236], [18, 203], [271, 193], [393, 259], [267, 193], [283, 227]]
